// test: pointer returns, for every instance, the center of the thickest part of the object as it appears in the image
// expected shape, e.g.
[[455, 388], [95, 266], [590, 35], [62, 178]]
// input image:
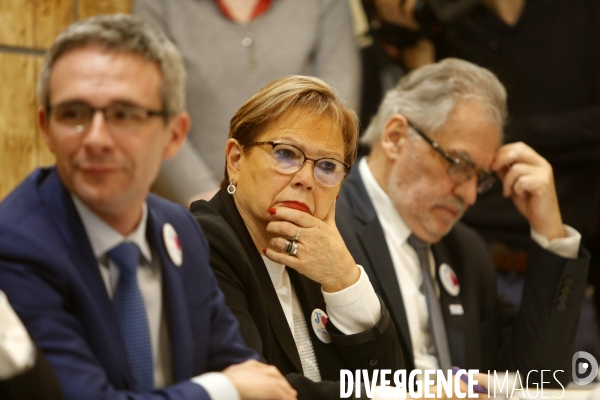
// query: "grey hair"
[[427, 95], [121, 33]]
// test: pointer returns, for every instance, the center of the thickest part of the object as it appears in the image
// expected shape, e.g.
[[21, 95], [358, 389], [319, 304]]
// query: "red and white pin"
[[172, 244], [449, 279], [318, 320]]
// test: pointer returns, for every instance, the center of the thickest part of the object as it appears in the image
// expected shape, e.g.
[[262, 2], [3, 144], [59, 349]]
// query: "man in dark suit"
[[112, 283], [435, 144]]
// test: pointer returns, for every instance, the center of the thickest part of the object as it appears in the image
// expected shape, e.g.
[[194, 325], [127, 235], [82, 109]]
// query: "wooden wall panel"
[[87, 8], [17, 127], [31, 24], [51, 17], [43, 155], [16, 22]]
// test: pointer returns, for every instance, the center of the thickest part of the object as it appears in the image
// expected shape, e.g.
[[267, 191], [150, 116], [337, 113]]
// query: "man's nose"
[[97, 132], [467, 191]]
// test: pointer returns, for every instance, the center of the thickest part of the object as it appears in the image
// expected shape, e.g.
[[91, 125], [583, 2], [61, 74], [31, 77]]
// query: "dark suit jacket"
[[491, 334], [249, 293], [51, 278], [37, 383]]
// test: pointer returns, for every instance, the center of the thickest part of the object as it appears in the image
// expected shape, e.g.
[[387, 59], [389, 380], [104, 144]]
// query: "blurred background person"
[[231, 49], [547, 55], [301, 300]]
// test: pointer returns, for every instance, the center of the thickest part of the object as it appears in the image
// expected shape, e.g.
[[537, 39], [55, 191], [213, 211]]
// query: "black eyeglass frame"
[[274, 143], [487, 177]]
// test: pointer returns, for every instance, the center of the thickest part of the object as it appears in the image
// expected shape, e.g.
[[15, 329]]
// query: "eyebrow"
[[294, 142], [467, 158]]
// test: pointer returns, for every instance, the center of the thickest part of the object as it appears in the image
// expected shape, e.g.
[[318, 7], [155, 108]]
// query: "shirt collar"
[[389, 217], [103, 237]]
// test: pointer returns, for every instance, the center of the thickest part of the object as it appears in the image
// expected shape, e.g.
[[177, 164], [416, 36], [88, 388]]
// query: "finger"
[[527, 185], [275, 253], [515, 172], [284, 394], [330, 217], [512, 153], [482, 379], [297, 217], [283, 229]]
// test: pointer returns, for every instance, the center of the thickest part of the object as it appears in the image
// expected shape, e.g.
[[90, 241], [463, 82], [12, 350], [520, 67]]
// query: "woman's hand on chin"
[[322, 254]]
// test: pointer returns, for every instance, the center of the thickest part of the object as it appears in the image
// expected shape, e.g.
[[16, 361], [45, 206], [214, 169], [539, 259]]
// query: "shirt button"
[[493, 46], [246, 41]]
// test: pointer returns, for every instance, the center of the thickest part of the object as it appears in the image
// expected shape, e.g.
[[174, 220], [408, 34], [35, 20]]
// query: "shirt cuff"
[[217, 385], [354, 309], [17, 353], [567, 247]]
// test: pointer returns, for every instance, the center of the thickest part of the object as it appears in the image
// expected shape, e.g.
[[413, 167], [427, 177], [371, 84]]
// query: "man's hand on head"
[[528, 180], [257, 381]]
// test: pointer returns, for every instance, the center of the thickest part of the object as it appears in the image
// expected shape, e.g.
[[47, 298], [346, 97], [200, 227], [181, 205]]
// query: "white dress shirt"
[[408, 271], [102, 239], [352, 310], [17, 353]]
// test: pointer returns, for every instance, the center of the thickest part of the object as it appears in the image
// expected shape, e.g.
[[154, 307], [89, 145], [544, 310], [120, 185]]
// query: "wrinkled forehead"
[[470, 131]]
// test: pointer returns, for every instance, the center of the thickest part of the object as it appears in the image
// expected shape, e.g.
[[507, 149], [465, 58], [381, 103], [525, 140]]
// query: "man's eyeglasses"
[[121, 117], [288, 159], [460, 170]]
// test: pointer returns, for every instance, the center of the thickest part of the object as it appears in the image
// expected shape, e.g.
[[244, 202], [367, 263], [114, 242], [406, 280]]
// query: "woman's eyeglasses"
[[288, 159], [461, 170]]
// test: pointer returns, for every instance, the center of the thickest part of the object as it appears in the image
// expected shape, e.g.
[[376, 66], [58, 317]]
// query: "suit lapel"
[[173, 299], [375, 247], [455, 323], [68, 223], [278, 322]]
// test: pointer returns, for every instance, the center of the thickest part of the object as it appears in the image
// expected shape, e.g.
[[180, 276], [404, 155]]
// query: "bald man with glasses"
[[436, 144]]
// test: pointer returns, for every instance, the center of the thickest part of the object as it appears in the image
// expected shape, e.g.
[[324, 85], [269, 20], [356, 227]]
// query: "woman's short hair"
[[292, 93], [427, 95], [121, 33]]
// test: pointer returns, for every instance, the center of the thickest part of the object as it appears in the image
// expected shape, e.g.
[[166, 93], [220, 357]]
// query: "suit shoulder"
[[464, 233], [171, 212], [24, 201], [218, 232]]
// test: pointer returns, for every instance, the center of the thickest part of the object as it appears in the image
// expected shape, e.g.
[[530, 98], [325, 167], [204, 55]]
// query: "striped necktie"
[[436, 319]]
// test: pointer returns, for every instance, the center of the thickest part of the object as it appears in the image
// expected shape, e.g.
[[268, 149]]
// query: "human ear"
[[233, 156], [394, 136], [43, 120], [178, 128]]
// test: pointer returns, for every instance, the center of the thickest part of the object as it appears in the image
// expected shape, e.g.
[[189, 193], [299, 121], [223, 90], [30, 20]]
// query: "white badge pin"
[[449, 279], [172, 244], [318, 320], [456, 309]]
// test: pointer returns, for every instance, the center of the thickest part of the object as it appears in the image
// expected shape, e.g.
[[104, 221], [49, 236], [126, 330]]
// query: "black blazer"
[[249, 293], [491, 334], [38, 383]]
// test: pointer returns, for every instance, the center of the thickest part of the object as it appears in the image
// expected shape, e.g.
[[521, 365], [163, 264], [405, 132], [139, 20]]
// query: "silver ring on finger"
[[297, 237], [289, 246], [294, 249]]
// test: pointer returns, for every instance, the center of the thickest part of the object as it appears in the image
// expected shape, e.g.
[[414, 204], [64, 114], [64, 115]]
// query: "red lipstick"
[[297, 205]]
